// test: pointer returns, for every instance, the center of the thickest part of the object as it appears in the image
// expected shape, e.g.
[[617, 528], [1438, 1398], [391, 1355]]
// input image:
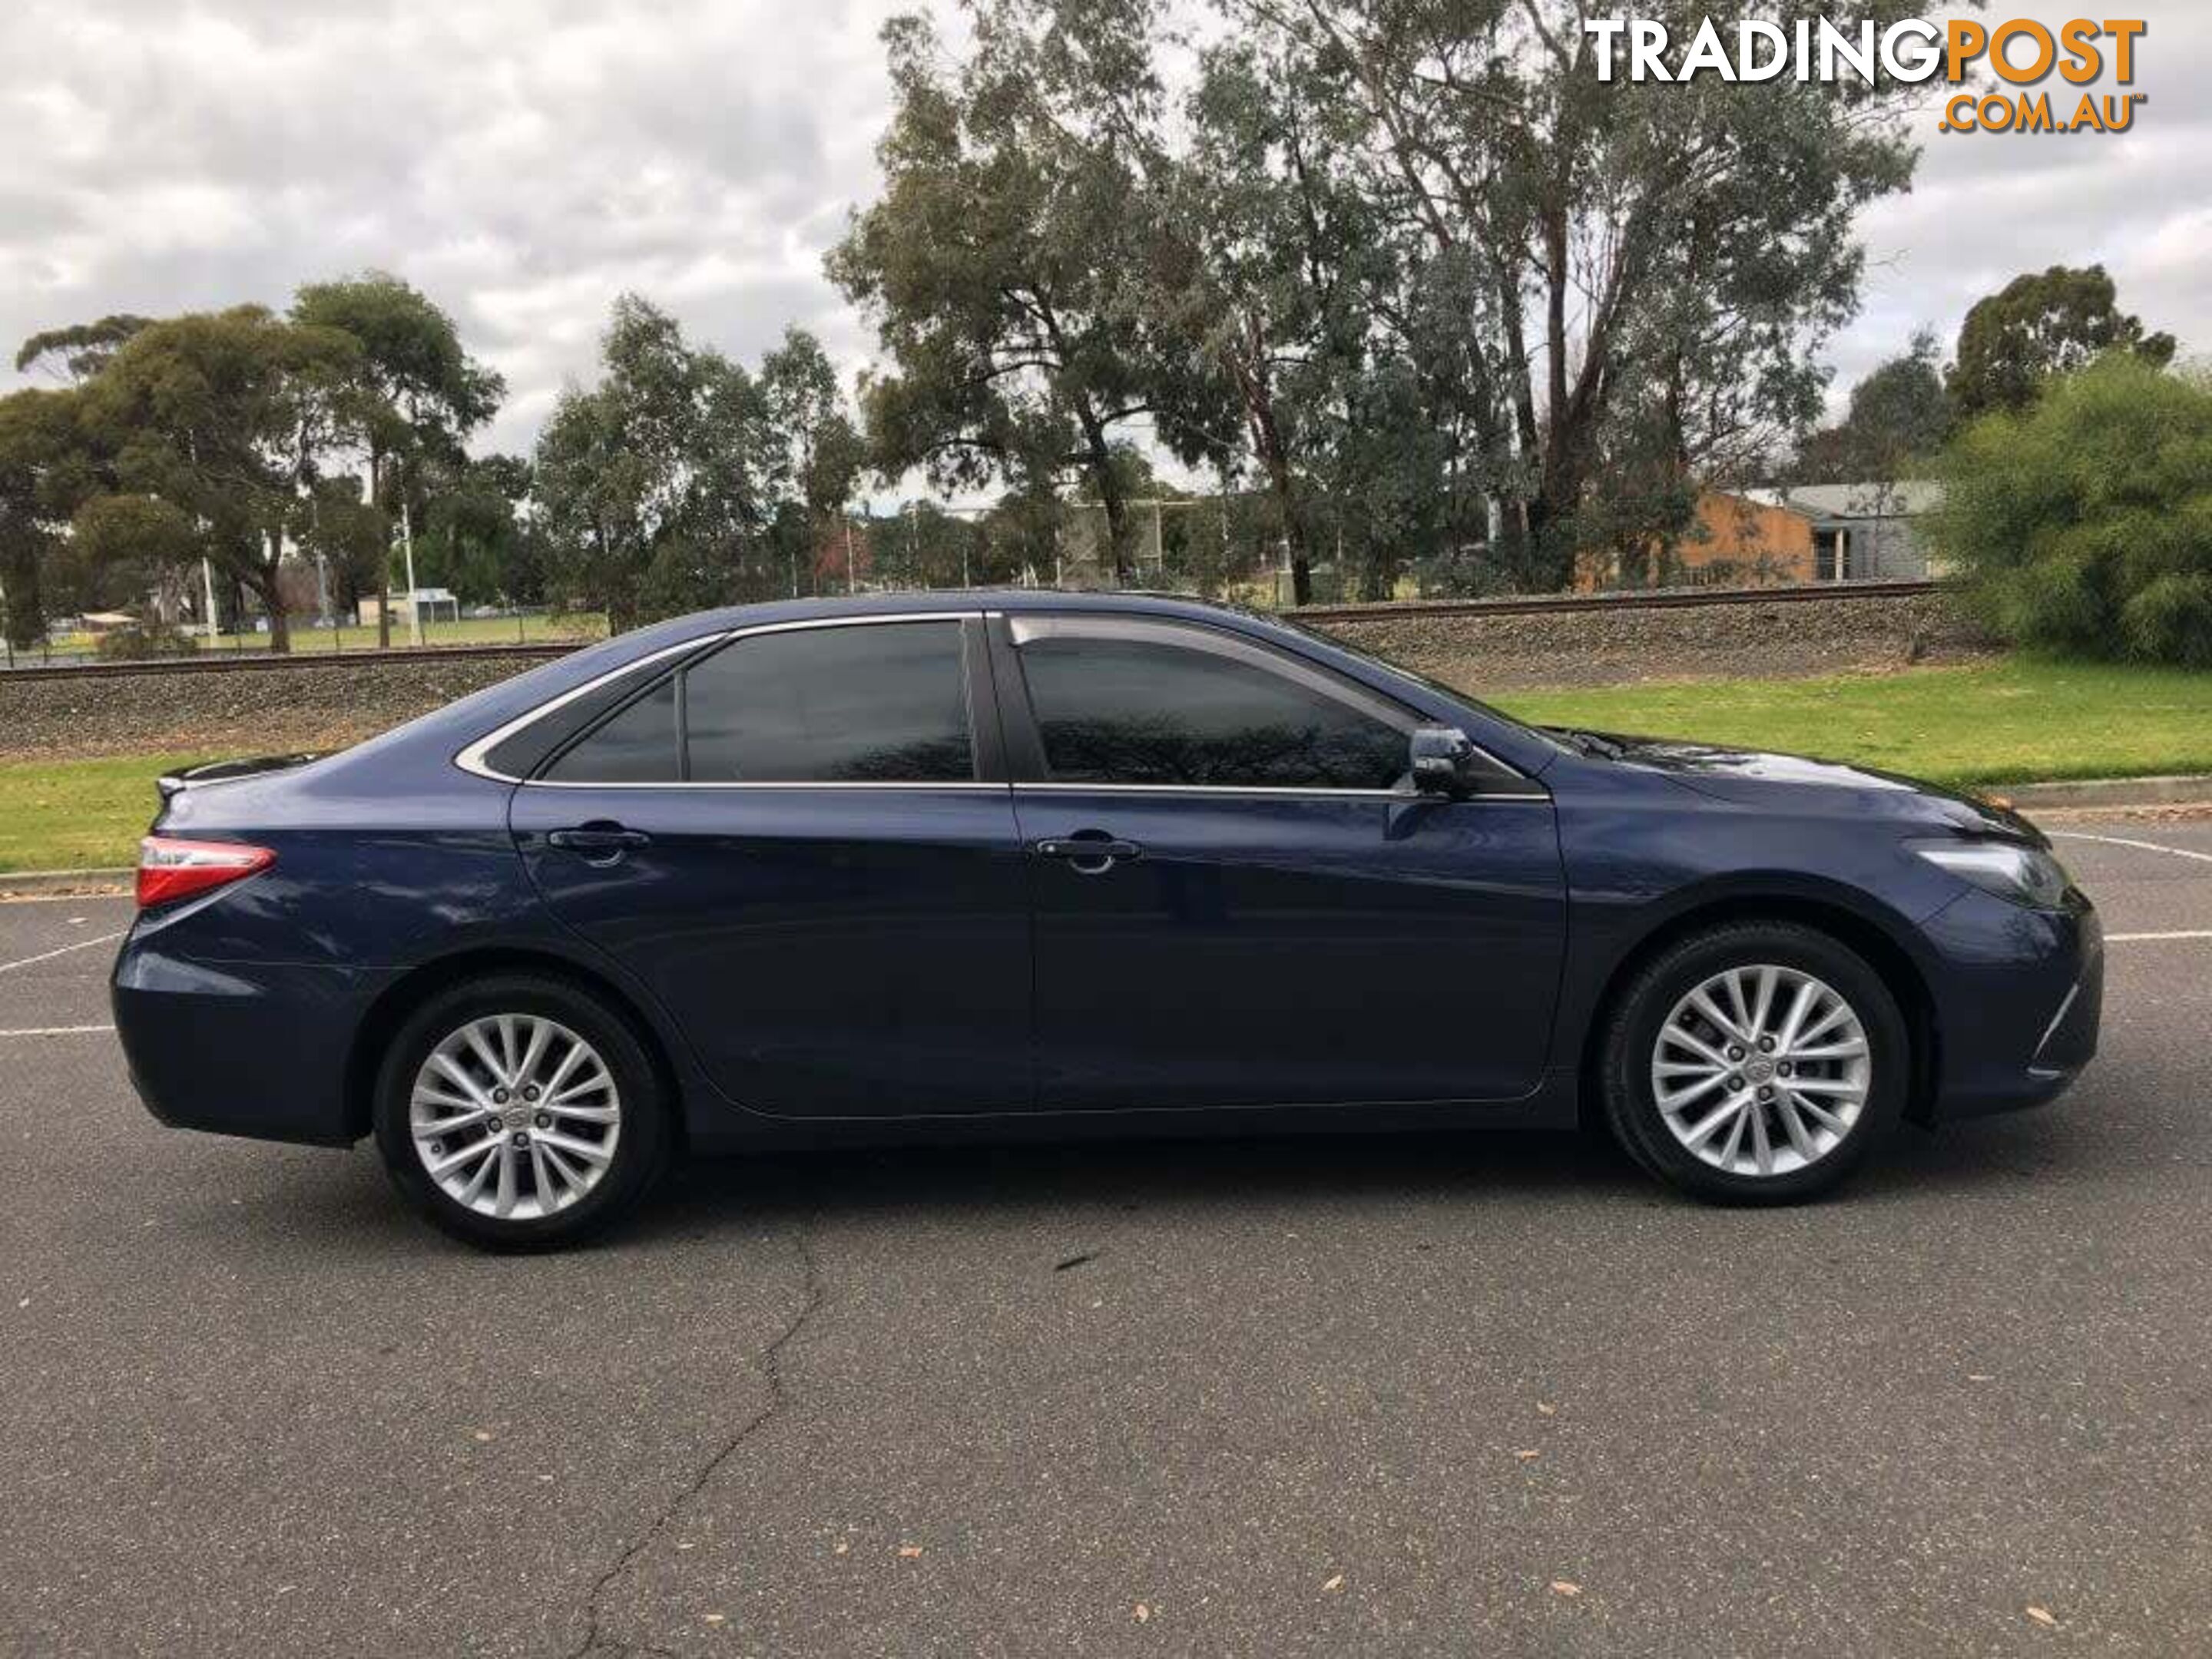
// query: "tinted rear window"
[[882, 702], [638, 745]]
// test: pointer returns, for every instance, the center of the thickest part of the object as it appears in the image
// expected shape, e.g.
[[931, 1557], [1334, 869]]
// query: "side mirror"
[[1444, 761]]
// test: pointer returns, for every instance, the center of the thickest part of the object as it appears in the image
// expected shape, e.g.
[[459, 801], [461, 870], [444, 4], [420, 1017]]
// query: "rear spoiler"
[[171, 784]]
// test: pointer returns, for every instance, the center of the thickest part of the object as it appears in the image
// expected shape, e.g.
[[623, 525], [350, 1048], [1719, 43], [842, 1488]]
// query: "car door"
[[802, 843], [1239, 898]]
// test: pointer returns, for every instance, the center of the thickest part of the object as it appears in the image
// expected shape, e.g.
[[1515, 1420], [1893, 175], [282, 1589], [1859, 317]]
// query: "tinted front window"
[[638, 745], [879, 703], [1116, 710]]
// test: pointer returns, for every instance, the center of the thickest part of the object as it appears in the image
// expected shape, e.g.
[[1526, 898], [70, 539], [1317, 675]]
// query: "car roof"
[[429, 741], [959, 598]]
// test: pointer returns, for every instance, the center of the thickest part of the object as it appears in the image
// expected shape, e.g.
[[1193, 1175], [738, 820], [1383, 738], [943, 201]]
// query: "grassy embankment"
[[550, 628], [2010, 722]]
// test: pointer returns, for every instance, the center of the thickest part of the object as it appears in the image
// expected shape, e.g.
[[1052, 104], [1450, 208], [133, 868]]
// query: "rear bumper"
[[240, 1048], [2019, 1004]]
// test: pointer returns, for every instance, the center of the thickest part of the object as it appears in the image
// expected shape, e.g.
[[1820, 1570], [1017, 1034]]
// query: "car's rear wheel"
[[517, 1112], [1757, 1062]]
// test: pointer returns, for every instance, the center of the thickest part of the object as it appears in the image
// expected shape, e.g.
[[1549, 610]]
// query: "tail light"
[[171, 869]]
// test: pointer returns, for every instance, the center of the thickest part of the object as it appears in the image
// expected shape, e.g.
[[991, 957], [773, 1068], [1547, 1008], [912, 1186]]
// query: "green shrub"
[[2083, 525], [145, 640]]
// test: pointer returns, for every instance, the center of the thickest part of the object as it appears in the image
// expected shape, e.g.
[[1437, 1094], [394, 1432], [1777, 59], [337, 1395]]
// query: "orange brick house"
[[1734, 541]]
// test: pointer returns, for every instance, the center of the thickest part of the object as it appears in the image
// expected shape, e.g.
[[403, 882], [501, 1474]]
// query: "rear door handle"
[[600, 843], [1089, 855]]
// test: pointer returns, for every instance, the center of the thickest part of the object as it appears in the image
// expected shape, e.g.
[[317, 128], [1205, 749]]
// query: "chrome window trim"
[[963, 786], [472, 758], [1304, 792], [1407, 796]]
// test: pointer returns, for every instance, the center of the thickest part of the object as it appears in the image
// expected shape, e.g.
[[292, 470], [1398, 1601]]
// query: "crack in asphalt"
[[771, 1365]]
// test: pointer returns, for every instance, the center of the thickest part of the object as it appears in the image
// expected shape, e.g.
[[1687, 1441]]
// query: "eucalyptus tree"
[[79, 350], [655, 486], [210, 433], [1656, 263], [2039, 325], [1270, 268], [425, 393], [478, 538], [822, 452], [41, 480], [1006, 263], [1900, 417]]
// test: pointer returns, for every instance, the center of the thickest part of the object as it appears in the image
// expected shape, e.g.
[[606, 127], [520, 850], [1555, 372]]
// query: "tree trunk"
[[269, 588], [1295, 540], [383, 549], [1268, 440], [25, 606], [1100, 460]]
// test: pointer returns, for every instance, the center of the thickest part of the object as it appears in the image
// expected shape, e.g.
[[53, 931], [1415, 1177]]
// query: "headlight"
[[2025, 875]]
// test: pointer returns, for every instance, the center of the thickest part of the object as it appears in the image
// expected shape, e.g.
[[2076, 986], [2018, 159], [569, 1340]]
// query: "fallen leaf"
[[908, 1551], [1143, 1613], [841, 1547], [483, 1434], [2043, 1616], [1566, 1587], [718, 1618], [1547, 1408], [1525, 1456], [1333, 1584]]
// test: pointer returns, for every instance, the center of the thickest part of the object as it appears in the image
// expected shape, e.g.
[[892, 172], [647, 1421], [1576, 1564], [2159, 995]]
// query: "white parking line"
[[57, 1030], [2155, 938], [2140, 846], [48, 955]]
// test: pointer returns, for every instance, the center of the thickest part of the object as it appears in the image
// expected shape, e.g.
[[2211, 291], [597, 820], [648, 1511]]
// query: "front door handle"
[[602, 844], [1088, 854]]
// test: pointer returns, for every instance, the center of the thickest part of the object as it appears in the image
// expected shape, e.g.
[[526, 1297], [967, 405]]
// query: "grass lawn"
[[467, 630], [2017, 722], [2010, 723], [77, 814]]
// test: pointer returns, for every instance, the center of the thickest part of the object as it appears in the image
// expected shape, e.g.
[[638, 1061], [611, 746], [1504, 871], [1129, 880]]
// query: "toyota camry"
[[927, 866]]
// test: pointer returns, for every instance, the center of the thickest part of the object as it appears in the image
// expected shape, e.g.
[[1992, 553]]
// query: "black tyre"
[[1755, 1063], [520, 1112]]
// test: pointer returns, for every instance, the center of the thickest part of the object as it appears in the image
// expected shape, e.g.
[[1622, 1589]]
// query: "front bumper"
[[240, 1048], [2018, 1002]]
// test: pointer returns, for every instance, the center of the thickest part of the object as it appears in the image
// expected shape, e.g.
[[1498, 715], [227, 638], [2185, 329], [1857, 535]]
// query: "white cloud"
[[521, 161], [1985, 207], [526, 161]]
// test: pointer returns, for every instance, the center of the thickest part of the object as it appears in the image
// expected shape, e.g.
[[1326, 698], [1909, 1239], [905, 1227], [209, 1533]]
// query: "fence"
[[310, 638]]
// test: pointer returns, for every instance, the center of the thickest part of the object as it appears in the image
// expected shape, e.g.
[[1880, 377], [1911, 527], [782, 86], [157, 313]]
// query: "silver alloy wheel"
[[515, 1116], [1761, 1071]]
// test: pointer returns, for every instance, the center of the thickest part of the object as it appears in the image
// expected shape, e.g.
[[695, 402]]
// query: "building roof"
[[1906, 498]]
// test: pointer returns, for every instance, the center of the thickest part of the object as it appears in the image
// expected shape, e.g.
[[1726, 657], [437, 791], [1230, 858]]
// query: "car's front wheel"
[[1757, 1062], [517, 1112]]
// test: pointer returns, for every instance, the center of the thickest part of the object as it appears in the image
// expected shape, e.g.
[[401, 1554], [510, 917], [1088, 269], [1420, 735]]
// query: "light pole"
[[407, 545]]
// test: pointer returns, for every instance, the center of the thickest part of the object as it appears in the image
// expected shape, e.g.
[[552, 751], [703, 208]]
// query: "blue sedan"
[[987, 864]]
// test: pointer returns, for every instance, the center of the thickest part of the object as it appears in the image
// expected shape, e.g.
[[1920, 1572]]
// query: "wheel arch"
[[1848, 925], [399, 999]]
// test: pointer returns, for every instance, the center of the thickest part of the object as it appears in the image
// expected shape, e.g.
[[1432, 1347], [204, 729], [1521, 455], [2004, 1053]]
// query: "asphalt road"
[[1440, 1395]]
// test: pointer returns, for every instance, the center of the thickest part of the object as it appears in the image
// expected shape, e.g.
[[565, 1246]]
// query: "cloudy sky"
[[526, 161]]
